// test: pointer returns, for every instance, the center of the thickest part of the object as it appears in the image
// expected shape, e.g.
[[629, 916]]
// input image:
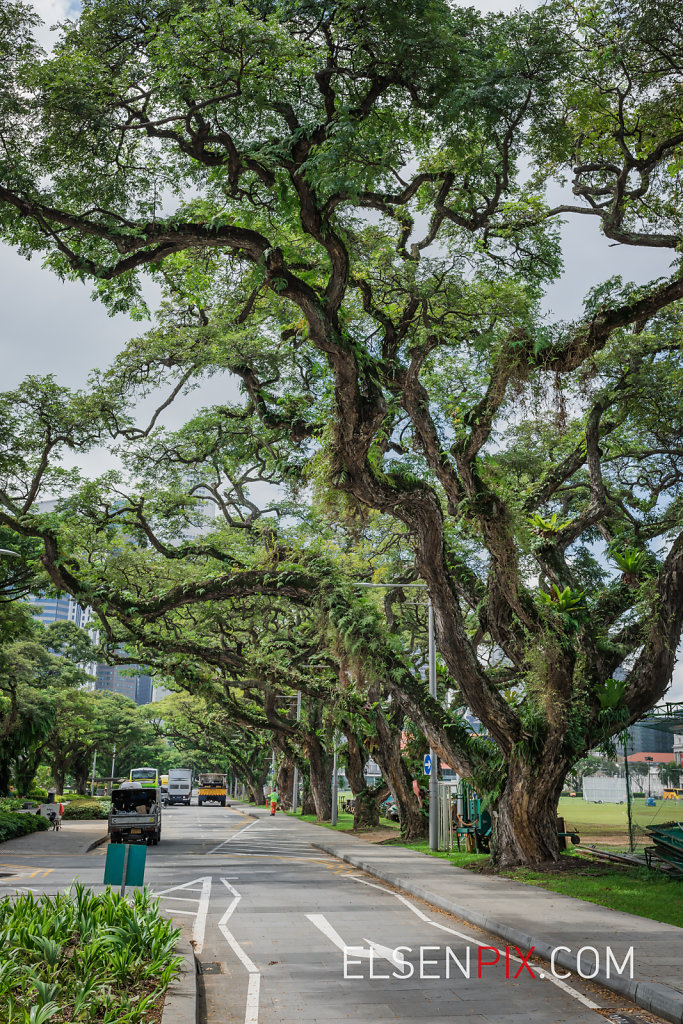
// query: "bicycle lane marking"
[[471, 938], [202, 904], [253, 990]]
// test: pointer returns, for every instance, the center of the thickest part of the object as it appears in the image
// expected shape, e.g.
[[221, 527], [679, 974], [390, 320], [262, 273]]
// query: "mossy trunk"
[[525, 816]]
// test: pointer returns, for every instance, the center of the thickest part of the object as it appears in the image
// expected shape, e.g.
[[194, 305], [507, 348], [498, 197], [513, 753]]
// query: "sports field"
[[608, 823]]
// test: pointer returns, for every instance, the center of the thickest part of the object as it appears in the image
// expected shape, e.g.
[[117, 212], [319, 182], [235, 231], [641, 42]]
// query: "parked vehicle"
[[180, 786], [147, 777], [135, 815], [213, 787]]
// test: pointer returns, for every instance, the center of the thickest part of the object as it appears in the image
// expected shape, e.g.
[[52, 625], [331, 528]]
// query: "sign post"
[[125, 865]]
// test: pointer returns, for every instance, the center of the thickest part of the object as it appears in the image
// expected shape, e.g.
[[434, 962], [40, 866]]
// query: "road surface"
[[287, 935]]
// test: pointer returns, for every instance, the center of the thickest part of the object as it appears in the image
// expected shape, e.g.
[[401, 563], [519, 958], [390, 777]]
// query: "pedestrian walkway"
[[526, 916], [73, 838]]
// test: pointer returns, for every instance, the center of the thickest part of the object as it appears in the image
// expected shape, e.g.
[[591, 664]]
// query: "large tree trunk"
[[5, 773], [285, 784], [320, 776], [414, 824], [366, 800], [307, 801], [525, 816]]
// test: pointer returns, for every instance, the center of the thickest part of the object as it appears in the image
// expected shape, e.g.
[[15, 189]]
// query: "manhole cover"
[[209, 968], [626, 1018]]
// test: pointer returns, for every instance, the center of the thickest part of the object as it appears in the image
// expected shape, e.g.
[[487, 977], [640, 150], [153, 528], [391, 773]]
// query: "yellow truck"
[[212, 787]]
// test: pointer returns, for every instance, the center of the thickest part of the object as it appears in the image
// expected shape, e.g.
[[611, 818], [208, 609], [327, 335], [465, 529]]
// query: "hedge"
[[13, 825], [85, 810]]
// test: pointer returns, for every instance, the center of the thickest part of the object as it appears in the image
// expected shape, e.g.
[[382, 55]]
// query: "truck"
[[180, 786], [213, 786], [135, 815]]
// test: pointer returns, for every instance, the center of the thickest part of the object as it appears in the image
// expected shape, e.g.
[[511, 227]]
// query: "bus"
[[147, 777]]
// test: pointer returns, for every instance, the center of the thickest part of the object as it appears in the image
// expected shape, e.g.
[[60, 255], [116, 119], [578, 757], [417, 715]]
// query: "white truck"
[[180, 786]]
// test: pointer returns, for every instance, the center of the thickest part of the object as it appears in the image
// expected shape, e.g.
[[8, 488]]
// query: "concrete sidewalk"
[[526, 916], [73, 838]]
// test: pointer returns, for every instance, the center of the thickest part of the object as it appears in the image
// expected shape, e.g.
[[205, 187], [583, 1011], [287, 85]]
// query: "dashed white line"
[[253, 989], [470, 938]]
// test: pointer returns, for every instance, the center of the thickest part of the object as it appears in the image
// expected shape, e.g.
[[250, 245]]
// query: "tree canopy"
[[349, 209]]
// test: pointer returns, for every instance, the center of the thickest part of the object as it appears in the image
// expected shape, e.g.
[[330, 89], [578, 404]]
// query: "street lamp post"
[[335, 782], [92, 780], [433, 777], [295, 792], [649, 776]]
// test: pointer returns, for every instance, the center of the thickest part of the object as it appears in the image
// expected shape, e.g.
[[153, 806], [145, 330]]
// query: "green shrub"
[[13, 825], [85, 810], [89, 957], [37, 794], [11, 803]]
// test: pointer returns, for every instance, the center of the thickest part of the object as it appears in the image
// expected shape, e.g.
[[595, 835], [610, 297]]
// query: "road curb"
[[658, 999], [180, 1006], [97, 842]]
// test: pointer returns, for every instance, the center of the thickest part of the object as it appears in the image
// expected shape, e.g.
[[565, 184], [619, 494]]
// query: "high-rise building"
[[125, 680]]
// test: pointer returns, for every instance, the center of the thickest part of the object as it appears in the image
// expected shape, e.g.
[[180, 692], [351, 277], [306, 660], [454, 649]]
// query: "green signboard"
[[125, 865]]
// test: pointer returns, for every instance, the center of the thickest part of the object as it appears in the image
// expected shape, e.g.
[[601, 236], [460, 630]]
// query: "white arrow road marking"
[[470, 938], [251, 1009], [373, 949], [204, 888]]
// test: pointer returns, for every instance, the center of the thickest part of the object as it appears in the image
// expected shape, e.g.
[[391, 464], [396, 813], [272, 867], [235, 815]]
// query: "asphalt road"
[[270, 917]]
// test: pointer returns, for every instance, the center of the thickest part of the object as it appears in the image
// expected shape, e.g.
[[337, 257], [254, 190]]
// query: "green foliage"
[[548, 526], [611, 694], [13, 825], [631, 561], [85, 956], [85, 810]]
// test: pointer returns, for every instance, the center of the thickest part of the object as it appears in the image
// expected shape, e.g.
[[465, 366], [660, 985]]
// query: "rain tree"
[[352, 208]]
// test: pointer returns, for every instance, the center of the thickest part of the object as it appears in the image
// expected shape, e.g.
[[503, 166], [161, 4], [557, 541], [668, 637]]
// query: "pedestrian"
[[273, 802]]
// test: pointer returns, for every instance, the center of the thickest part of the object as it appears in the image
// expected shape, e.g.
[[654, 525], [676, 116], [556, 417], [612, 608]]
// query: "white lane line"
[[234, 836], [253, 990], [199, 926], [180, 899], [470, 938], [200, 920]]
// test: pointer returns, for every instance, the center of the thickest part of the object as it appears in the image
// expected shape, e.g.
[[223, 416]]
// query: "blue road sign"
[[428, 764]]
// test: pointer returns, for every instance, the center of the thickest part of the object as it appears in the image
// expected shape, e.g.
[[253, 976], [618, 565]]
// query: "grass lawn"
[[634, 890], [596, 819]]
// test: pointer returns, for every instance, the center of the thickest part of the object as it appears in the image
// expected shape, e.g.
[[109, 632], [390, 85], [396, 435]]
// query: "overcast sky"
[[49, 326]]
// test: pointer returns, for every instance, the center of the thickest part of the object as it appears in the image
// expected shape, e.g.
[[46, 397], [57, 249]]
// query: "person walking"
[[273, 802]]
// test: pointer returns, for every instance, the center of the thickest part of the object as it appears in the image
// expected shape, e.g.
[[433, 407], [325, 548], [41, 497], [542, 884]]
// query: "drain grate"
[[209, 968], [625, 1018]]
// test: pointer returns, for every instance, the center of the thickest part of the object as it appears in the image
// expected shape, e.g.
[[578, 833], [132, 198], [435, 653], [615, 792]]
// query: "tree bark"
[[366, 801], [320, 776], [525, 817], [285, 784], [414, 824]]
